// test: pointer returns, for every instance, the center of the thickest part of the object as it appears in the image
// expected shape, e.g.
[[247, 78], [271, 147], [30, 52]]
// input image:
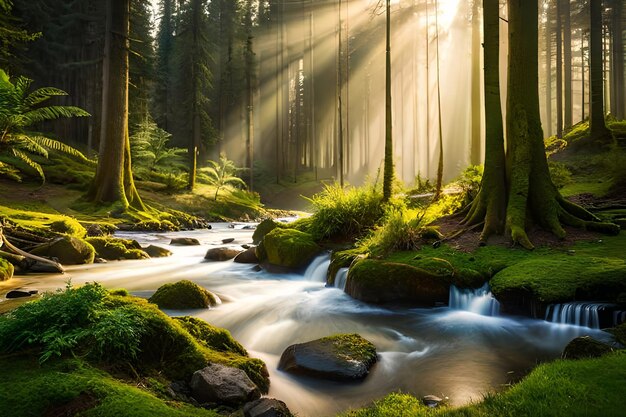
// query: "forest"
[[352, 208]]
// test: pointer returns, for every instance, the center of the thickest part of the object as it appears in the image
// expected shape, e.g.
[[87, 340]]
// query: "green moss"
[[121, 292], [591, 387], [111, 248], [43, 223], [30, 389], [68, 250], [289, 248], [262, 229], [585, 347], [353, 347], [6, 270], [210, 336], [620, 333], [341, 259], [182, 295], [68, 226]]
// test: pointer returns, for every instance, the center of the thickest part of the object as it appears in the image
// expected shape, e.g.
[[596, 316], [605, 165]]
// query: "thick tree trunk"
[[388, 170], [617, 58], [548, 36], [598, 130], [567, 64], [439, 183], [559, 71], [476, 119]]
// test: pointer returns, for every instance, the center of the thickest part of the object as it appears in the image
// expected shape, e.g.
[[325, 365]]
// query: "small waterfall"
[[317, 269], [579, 313], [479, 301], [341, 278]]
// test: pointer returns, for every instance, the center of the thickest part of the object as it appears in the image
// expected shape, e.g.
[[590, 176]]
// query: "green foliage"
[[19, 111], [6, 270], [182, 295], [345, 212], [352, 346], [150, 150], [210, 336], [560, 174], [221, 174], [113, 249], [400, 230], [469, 181], [68, 226]]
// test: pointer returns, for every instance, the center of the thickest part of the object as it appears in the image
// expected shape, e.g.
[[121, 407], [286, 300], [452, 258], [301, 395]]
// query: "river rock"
[[431, 401], [157, 251], [289, 248], [185, 241], [18, 294], [228, 240], [266, 407], [183, 295], [247, 257], [262, 229], [375, 281], [585, 347], [338, 357], [68, 250], [222, 254], [94, 230], [223, 385]]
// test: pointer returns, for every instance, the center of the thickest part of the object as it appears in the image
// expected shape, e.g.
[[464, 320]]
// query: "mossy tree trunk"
[[388, 170], [598, 130], [522, 180], [113, 182]]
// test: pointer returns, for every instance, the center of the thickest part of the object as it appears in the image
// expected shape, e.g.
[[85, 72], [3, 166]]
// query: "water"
[[587, 314], [441, 351], [341, 278], [479, 301], [316, 271]]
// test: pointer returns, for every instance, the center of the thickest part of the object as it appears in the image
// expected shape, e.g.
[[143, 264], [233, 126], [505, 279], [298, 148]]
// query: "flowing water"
[[441, 351]]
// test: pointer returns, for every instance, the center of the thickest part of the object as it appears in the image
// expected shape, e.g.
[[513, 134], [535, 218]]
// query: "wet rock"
[[185, 241], [113, 249], [33, 292], [246, 246], [94, 230], [157, 251], [585, 347], [338, 357], [43, 268], [183, 295], [289, 248], [223, 385], [247, 257], [266, 407], [221, 254], [68, 250], [18, 294], [228, 240], [431, 401], [99, 261], [262, 229]]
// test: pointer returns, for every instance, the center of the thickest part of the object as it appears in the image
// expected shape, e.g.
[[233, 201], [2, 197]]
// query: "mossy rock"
[[68, 250], [290, 248], [341, 259], [183, 295], [620, 333], [157, 252], [375, 281], [68, 226], [468, 278], [210, 336], [263, 229], [260, 252], [114, 249], [337, 357], [585, 347], [436, 266], [6, 270]]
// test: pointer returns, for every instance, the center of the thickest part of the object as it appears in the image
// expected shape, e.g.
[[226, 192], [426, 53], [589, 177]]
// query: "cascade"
[[341, 278], [317, 269], [480, 301], [586, 314]]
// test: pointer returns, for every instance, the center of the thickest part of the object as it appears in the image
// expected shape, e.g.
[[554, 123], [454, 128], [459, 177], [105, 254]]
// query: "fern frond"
[[9, 171], [62, 147], [53, 112], [234, 181], [42, 94], [34, 165], [26, 143]]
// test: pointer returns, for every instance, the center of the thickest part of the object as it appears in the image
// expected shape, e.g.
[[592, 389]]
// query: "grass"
[[581, 388]]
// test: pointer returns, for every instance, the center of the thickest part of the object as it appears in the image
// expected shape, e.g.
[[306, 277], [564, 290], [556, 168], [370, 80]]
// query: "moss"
[[68, 250], [289, 248], [182, 295], [585, 347], [6, 270], [620, 333], [68, 226], [61, 388], [341, 259], [43, 223], [468, 278], [263, 229], [121, 292], [210, 336], [111, 248], [353, 347]]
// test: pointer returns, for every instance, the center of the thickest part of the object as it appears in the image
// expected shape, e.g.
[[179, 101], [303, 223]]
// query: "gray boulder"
[[185, 241], [266, 407], [223, 385], [247, 257], [221, 254], [338, 357]]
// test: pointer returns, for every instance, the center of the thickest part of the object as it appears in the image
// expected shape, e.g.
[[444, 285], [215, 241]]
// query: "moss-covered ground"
[[591, 387]]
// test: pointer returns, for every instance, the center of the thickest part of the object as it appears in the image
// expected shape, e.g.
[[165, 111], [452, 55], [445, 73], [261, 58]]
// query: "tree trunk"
[[567, 64], [388, 169], [559, 71], [113, 181], [340, 145], [598, 130], [476, 116], [617, 58], [548, 36], [439, 185]]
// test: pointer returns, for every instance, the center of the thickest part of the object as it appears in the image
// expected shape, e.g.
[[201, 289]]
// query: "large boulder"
[[183, 295], [114, 249], [289, 248], [6, 270], [222, 254], [67, 250], [338, 357], [157, 251], [266, 407], [263, 229], [223, 385], [185, 241], [247, 257], [376, 281], [585, 347]]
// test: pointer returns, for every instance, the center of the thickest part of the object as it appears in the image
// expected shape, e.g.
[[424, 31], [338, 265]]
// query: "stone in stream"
[[247, 257], [185, 241], [228, 240], [266, 407], [68, 250], [222, 254], [431, 401], [585, 347], [338, 357], [183, 295], [157, 251], [18, 294], [223, 385]]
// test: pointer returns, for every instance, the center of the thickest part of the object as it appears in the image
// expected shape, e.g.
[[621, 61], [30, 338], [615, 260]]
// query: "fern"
[[222, 174], [34, 165]]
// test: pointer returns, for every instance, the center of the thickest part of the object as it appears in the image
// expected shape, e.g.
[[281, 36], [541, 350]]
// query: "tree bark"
[[617, 58], [476, 119], [388, 174], [598, 130], [559, 71], [567, 64]]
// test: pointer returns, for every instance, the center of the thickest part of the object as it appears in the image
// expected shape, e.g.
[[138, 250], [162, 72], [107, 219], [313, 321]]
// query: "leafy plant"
[[561, 175], [150, 150], [20, 110], [469, 181], [400, 230], [221, 174]]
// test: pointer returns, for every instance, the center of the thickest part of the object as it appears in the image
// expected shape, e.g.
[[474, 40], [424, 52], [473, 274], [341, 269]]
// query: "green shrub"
[[345, 212], [560, 174], [182, 295], [399, 231], [469, 181]]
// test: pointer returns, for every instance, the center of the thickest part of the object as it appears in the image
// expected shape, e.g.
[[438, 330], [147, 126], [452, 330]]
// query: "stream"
[[447, 352]]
